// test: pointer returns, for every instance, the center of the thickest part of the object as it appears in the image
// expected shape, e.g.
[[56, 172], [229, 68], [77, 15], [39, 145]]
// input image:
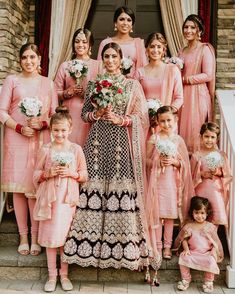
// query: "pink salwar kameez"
[[63, 81], [199, 67]]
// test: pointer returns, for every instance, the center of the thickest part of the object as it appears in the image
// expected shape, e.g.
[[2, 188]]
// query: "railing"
[[226, 99]]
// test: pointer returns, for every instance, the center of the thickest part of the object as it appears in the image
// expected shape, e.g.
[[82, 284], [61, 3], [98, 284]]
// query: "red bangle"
[[44, 125], [18, 128]]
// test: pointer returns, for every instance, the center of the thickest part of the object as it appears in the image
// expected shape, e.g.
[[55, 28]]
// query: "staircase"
[[14, 266]]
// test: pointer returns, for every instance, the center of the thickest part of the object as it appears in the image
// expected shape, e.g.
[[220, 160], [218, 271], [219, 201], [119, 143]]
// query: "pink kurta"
[[168, 88], [215, 189], [134, 49], [199, 65], [57, 197], [20, 151], [204, 245], [63, 80], [170, 188]]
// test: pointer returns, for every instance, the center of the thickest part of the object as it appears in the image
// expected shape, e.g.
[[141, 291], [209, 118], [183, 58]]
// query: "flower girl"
[[170, 186], [60, 167], [211, 174], [201, 246]]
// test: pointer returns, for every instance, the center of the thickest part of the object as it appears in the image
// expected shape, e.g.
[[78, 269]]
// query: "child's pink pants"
[[185, 274], [168, 233], [22, 205], [51, 263]]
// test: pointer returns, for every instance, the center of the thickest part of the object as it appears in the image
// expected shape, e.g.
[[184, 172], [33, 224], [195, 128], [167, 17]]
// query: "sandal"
[[183, 285], [23, 249], [155, 281], [208, 287], [147, 277], [167, 253], [35, 249], [50, 286], [66, 284]]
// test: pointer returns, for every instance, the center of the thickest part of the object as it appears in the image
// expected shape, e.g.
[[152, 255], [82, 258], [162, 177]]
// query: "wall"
[[226, 45], [16, 27]]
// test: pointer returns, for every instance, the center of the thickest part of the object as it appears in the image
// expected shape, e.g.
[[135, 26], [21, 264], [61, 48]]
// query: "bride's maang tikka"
[[81, 35]]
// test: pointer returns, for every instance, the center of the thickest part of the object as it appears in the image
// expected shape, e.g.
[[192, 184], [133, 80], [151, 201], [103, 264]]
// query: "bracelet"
[[66, 94], [93, 116], [18, 128], [44, 125]]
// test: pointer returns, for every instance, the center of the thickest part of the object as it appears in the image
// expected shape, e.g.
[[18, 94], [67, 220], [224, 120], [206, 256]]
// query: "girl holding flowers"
[[211, 173], [60, 167], [170, 186], [71, 81], [26, 102], [111, 201]]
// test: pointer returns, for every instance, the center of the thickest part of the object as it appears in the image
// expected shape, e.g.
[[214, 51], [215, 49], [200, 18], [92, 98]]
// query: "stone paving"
[[36, 287]]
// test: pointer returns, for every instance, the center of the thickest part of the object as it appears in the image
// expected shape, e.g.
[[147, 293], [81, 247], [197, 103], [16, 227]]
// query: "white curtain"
[[67, 16], [173, 14], [189, 7]]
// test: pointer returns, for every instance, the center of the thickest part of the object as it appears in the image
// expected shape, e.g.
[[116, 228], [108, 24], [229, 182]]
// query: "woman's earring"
[[89, 52], [39, 69], [131, 31], [199, 36], [115, 27]]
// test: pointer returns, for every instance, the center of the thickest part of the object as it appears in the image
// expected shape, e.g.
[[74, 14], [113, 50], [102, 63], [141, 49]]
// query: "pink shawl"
[[184, 183], [46, 190]]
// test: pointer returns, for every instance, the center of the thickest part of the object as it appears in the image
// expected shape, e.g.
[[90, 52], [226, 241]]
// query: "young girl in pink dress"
[[201, 246], [23, 136], [60, 167], [69, 91], [170, 186], [133, 48], [198, 81], [211, 174]]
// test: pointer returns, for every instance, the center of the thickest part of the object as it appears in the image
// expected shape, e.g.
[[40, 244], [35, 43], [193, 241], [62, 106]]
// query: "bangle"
[[66, 94], [123, 121], [18, 128], [44, 125], [93, 116]]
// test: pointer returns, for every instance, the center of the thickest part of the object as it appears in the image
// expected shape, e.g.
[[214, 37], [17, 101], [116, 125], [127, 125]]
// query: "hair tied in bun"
[[62, 109]]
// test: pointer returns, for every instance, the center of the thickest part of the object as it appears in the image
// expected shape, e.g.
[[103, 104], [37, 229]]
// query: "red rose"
[[98, 88], [106, 84], [119, 91]]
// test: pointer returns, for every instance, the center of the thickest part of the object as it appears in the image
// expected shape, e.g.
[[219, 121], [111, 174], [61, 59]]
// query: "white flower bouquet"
[[77, 70], [153, 105], [105, 91], [62, 158], [31, 106], [214, 160], [127, 64], [166, 148], [175, 60]]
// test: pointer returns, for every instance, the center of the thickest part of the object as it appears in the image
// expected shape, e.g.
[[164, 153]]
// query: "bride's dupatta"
[[137, 110]]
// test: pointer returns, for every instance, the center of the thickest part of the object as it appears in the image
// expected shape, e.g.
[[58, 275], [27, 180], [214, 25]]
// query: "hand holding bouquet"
[[166, 148], [77, 70]]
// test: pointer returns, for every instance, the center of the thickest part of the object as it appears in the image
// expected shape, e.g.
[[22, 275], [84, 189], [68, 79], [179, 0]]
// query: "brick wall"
[[225, 76], [16, 27]]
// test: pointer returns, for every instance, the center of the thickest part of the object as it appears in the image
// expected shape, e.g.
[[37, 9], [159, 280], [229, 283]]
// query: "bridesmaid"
[[160, 80], [198, 82], [124, 19], [71, 94], [23, 137]]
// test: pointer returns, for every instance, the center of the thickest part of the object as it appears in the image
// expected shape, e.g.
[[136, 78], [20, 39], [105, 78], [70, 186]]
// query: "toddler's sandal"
[[50, 286], [35, 249], [66, 284], [23, 249], [183, 285]]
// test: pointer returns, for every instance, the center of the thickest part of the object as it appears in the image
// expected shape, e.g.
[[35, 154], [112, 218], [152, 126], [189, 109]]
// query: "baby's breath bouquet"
[[31, 106], [214, 160], [166, 148], [77, 70], [62, 159], [153, 105], [105, 91]]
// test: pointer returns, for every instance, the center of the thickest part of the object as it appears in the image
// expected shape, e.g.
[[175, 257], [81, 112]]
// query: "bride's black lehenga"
[[107, 229]]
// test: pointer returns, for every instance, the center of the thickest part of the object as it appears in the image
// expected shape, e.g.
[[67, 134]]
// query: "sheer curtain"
[[173, 14], [67, 16]]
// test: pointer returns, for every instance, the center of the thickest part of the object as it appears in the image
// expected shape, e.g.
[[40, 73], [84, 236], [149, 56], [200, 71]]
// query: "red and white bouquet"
[[77, 69], [31, 106], [175, 60], [106, 91]]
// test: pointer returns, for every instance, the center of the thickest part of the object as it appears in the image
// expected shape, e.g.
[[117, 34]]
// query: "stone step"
[[14, 266]]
